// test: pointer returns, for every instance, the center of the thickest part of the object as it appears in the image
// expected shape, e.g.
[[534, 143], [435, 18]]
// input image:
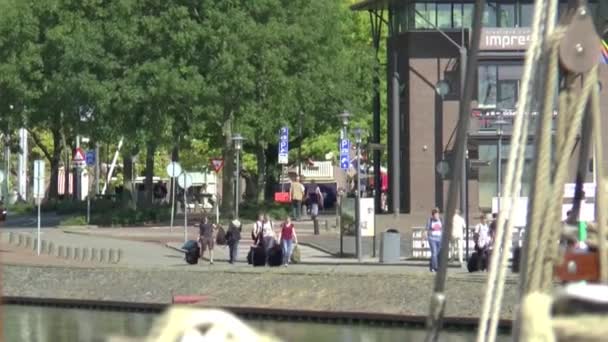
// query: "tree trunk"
[[128, 197], [262, 171], [228, 180], [54, 161], [271, 173], [149, 182], [251, 186]]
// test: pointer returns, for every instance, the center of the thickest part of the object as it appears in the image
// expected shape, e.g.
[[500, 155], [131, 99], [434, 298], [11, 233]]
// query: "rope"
[[546, 119], [552, 224], [600, 188], [491, 304]]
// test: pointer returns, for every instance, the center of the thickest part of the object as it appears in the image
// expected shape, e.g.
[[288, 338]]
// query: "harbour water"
[[42, 324]]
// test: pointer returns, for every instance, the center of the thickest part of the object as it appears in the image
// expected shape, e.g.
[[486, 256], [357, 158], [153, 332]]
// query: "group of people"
[[483, 237], [299, 195], [263, 235]]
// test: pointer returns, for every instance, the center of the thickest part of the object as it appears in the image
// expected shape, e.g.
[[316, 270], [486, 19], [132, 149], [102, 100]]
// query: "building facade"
[[421, 60]]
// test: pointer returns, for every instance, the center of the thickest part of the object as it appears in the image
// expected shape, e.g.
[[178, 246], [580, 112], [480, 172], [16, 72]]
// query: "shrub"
[[74, 221], [250, 210], [21, 208]]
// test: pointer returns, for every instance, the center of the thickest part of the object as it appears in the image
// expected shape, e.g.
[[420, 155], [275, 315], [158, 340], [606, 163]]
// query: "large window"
[[498, 85], [457, 14], [488, 174]]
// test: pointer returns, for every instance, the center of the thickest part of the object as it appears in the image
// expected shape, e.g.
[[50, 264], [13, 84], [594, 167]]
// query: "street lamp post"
[[358, 134], [344, 119], [500, 122], [238, 145]]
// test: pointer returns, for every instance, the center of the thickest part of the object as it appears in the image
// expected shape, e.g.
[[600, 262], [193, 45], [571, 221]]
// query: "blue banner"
[[344, 154], [284, 145]]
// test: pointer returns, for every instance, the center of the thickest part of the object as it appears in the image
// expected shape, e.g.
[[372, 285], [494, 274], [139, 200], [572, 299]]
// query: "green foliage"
[[185, 74], [20, 208], [131, 217], [251, 210], [73, 221]]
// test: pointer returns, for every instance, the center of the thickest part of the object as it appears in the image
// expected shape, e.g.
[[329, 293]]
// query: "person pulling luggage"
[[233, 236], [288, 239], [205, 238]]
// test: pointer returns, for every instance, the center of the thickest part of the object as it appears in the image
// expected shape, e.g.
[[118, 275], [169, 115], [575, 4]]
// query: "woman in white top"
[[483, 239], [268, 234]]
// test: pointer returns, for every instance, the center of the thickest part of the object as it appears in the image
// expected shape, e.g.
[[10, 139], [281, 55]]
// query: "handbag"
[[295, 255]]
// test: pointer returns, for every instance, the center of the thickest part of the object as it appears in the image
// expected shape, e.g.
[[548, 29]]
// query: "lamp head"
[[344, 117], [238, 139]]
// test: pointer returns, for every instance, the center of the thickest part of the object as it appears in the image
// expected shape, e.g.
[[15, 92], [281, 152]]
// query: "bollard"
[[11, 238], [43, 246], [28, 241], [315, 222], [68, 252], [34, 244], [326, 226], [51, 248], [85, 254], [60, 251], [119, 256], [20, 240], [76, 255], [102, 255], [111, 256], [93, 254]]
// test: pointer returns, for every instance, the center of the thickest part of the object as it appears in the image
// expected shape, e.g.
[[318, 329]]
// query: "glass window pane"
[[526, 13], [444, 15], [487, 86], [426, 11], [489, 14], [507, 94], [467, 16], [457, 15], [506, 15]]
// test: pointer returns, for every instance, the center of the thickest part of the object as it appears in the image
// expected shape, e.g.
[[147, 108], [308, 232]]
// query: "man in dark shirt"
[[205, 237]]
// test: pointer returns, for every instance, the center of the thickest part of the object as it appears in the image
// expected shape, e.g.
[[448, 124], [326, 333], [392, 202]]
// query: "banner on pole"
[[284, 145]]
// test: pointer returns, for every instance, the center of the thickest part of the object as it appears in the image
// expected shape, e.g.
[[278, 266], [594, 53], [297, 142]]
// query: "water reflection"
[[42, 324]]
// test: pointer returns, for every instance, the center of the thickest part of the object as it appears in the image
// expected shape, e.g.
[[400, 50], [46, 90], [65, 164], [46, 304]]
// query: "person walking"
[[296, 195], [434, 228], [459, 226], [233, 236], [256, 235], [288, 239], [268, 234], [315, 197], [483, 241], [205, 238]]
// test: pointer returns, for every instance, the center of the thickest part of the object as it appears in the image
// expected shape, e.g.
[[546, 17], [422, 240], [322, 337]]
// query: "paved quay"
[[151, 272]]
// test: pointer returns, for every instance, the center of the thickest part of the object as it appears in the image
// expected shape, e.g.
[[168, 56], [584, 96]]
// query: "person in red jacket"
[[288, 239]]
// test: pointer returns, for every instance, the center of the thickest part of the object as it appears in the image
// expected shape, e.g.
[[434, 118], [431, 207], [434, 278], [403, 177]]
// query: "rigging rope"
[[493, 297]]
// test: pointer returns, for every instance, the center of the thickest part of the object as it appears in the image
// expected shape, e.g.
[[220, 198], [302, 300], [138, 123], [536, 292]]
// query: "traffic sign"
[[344, 154], [90, 158], [174, 169], [284, 145], [217, 163], [184, 180], [79, 157], [38, 179]]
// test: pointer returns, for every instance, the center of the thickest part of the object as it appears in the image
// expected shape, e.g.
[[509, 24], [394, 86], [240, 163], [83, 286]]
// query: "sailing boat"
[[564, 267]]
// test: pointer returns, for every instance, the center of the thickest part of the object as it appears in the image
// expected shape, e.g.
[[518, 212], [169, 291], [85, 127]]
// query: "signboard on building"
[[284, 145], [488, 113], [505, 38]]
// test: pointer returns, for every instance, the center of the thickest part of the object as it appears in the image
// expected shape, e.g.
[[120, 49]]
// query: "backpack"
[[220, 238], [295, 255]]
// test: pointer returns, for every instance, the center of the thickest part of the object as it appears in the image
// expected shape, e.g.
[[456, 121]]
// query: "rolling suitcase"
[[256, 256], [275, 256]]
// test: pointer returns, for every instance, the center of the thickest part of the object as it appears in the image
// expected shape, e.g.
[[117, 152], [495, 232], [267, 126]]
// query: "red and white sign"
[[217, 164], [79, 157]]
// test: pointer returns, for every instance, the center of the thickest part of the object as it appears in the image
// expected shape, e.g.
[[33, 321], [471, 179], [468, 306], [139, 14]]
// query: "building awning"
[[366, 5]]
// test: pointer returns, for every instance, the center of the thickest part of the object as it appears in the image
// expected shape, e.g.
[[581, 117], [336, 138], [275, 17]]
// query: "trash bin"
[[390, 246]]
